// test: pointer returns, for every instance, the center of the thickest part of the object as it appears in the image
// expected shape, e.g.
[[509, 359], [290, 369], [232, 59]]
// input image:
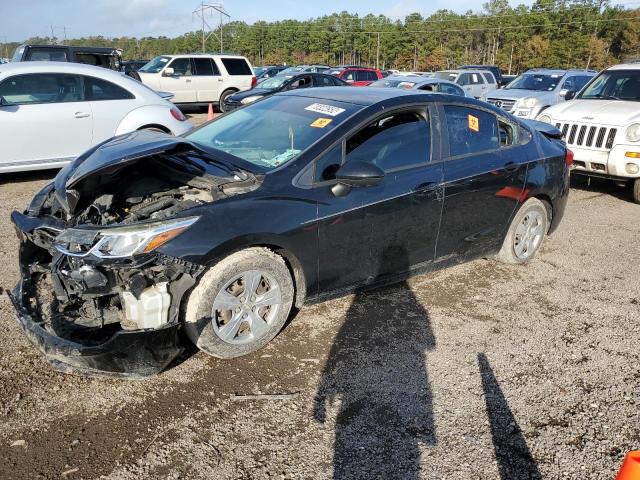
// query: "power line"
[[209, 8]]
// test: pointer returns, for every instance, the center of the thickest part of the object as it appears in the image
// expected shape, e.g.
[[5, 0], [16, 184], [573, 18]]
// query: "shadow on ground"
[[383, 417]]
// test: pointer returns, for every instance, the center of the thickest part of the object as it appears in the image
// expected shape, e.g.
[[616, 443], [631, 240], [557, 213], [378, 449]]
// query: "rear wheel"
[[240, 304], [636, 191], [223, 97], [526, 233]]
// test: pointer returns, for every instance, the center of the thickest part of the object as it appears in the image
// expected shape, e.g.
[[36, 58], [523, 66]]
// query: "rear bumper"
[[131, 354]]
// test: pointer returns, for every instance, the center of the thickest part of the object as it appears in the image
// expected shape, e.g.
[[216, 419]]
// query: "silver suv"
[[537, 89]]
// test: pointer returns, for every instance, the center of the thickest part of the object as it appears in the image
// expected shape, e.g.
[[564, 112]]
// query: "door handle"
[[80, 115], [511, 167], [219, 79], [188, 81]]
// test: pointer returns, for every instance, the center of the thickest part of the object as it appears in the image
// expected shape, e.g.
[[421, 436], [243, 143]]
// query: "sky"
[[22, 19]]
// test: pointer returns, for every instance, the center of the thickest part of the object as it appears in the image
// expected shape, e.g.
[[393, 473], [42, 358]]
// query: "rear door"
[[484, 175], [206, 79], [181, 82], [47, 119]]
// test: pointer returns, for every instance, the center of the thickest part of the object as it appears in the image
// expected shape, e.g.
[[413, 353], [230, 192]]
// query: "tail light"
[[568, 157], [254, 82], [177, 114]]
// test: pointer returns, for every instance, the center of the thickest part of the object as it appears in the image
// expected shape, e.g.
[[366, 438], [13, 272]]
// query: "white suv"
[[602, 126], [475, 83], [199, 78]]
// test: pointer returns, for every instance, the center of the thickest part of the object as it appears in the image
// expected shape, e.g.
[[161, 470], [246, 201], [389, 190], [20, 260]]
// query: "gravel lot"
[[479, 371]]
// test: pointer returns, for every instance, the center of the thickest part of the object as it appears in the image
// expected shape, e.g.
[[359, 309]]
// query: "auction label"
[[474, 123], [321, 122], [325, 109]]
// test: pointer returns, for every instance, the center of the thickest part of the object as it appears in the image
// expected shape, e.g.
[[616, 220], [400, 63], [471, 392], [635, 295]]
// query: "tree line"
[[549, 33]]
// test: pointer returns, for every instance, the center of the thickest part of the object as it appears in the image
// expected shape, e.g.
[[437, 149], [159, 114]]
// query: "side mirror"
[[357, 174], [168, 72], [570, 94]]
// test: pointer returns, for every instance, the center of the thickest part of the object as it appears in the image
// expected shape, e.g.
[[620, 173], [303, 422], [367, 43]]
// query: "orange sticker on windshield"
[[321, 122], [474, 123]]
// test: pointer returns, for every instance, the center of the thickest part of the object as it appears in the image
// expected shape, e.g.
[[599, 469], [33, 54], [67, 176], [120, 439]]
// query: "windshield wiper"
[[231, 169]]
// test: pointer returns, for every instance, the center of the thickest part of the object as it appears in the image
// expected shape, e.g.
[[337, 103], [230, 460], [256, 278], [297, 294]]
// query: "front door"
[[383, 231], [484, 177], [181, 82], [45, 118]]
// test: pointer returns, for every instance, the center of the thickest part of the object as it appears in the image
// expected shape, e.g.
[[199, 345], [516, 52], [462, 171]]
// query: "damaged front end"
[[96, 293]]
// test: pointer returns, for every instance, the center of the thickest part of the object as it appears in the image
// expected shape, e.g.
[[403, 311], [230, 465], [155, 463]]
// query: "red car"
[[358, 76]]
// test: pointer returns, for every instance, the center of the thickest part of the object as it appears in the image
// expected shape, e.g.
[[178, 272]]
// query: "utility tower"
[[212, 10]]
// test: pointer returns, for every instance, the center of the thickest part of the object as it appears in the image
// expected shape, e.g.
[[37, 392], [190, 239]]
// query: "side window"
[[372, 76], [327, 165], [350, 75], [322, 81], [506, 134], [47, 55], [450, 89], [362, 76], [338, 82], [464, 79], [236, 66], [470, 130], [42, 88], [476, 79], [205, 67], [393, 142], [581, 81], [488, 76], [97, 89], [302, 82], [569, 84], [181, 66], [429, 87]]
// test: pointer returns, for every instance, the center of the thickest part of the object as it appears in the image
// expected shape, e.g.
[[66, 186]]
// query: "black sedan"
[[281, 83], [301, 196]]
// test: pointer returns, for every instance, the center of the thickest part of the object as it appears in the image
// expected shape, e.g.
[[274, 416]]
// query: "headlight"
[[528, 102], [545, 119], [121, 242], [250, 99], [633, 132]]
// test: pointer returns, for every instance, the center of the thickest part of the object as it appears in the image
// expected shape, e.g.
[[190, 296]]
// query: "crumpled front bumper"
[[131, 354]]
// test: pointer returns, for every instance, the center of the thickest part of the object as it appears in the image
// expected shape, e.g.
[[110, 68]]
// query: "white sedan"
[[51, 112]]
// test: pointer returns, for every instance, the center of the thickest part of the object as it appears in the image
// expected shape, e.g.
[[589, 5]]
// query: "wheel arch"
[[157, 126], [292, 261]]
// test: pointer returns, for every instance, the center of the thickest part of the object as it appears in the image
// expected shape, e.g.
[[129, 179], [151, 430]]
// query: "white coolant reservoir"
[[151, 310]]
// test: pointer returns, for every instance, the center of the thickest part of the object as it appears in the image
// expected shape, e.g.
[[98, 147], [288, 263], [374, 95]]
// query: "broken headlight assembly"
[[120, 242]]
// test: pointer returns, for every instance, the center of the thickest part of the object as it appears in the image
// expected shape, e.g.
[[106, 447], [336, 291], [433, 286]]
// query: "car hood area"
[[132, 167], [236, 97], [605, 112], [518, 93]]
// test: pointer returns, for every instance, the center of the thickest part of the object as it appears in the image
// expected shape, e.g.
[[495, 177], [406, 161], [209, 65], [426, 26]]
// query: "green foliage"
[[551, 33]]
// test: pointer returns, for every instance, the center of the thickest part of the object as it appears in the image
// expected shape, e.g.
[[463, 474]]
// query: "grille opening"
[[572, 135], [579, 163], [583, 130], [592, 133], [600, 138], [611, 137]]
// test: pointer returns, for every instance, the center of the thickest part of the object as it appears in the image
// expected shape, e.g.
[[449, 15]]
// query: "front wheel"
[[636, 191], [240, 304], [526, 233]]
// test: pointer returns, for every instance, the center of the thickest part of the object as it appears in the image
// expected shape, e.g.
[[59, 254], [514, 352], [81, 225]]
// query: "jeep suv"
[[536, 90], [199, 79], [602, 126]]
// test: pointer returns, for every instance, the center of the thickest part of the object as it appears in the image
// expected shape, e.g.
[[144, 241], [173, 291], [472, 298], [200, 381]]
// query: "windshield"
[[293, 70], [451, 76], [273, 82], [275, 130], [614, 85], [257, 71], [155, 65], [392, 83], [535, 81]]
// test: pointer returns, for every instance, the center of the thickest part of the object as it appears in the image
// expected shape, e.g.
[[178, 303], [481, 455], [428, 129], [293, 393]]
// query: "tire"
[[526, 233], [223, 97], [636, 191], [249, 324]]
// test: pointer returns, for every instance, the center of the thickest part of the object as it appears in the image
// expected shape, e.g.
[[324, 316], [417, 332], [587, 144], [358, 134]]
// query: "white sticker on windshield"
[[325, 109]]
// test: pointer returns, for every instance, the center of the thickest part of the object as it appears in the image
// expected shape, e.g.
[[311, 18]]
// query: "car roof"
[[358, 96], [625, 66], [189, 55], [73, 47]]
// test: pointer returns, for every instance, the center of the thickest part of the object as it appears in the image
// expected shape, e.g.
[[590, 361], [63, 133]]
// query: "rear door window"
[[471, 130], [362, 76], [97, 89], [488, 76], [42, 88], [322, 81], [450, 89], [205, 67], [464, 79], [476, 79], [236, 66]]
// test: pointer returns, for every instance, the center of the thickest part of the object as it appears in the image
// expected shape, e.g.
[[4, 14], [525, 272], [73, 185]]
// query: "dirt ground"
[[480, 371]]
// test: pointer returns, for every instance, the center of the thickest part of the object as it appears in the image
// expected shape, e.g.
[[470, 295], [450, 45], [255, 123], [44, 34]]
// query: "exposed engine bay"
[[90, 269]]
